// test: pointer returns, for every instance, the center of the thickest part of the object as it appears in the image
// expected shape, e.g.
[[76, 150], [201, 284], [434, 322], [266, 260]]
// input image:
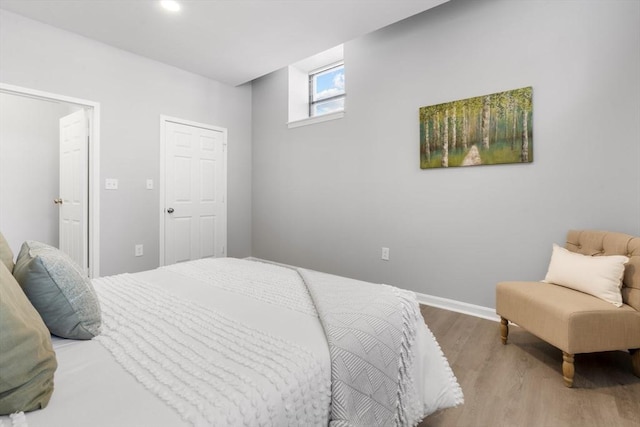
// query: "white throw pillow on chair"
[[600, 276]]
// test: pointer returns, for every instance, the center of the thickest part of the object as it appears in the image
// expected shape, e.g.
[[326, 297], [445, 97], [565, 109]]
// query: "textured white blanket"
[[371, 330], [212, 369]]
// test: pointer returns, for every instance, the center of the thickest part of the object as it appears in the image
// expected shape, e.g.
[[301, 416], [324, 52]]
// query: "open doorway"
[[49, 172]]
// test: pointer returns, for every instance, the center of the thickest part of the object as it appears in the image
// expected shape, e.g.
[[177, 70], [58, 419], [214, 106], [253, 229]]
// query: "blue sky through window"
[[328, 84]]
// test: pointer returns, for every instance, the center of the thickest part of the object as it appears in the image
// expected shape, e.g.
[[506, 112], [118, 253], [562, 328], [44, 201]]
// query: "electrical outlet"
[[111, 184], [385, 254], [139, 250]]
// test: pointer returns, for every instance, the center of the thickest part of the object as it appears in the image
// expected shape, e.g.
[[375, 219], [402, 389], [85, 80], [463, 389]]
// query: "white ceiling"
[[232, 41]]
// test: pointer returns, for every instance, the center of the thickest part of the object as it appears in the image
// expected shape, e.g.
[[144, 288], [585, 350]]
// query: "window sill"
[[316, 119]]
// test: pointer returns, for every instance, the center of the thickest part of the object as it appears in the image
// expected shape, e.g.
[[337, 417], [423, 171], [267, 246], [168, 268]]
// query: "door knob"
[[57, 201], [170, 210]]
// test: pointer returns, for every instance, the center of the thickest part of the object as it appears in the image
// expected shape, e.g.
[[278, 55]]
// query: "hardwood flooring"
[[520, 384]]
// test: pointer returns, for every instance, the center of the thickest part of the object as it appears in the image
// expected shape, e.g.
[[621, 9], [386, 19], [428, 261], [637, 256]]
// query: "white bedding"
[[229, 306]]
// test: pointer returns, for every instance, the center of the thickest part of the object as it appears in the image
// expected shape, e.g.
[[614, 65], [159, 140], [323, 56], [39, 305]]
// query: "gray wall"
[[330, 195], [29, 168], [133, 92]]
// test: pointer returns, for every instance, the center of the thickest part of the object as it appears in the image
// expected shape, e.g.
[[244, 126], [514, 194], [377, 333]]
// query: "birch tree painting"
[[485, 130]]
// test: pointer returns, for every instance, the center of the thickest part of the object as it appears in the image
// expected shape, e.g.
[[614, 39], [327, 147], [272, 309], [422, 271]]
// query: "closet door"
[[195, 186]]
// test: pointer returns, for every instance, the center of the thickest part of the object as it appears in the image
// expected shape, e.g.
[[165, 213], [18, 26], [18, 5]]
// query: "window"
[[326, 90], [316, 88]]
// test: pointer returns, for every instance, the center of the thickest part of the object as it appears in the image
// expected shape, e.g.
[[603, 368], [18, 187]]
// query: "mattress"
[[222, 342]]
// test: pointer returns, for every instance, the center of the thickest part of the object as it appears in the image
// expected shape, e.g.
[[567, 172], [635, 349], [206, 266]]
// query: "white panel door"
[[195, 216], [74, 183]]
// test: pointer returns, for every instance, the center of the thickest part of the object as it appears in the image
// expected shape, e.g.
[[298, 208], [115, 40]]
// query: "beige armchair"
[[573, 321]]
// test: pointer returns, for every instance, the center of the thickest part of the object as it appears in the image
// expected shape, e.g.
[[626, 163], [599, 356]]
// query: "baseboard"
[[458, 306]]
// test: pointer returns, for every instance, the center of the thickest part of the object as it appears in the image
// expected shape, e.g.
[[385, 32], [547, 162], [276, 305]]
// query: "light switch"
[[149, 184]]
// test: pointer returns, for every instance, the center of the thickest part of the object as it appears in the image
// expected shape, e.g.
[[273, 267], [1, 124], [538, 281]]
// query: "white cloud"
[[329, 93], [338, 81], [330, 107]]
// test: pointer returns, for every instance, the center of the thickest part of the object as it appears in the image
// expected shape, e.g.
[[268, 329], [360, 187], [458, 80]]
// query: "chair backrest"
[[597, 243]]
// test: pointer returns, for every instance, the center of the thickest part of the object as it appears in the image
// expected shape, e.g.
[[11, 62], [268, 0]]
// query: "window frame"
[[312, 84], [298, 87]]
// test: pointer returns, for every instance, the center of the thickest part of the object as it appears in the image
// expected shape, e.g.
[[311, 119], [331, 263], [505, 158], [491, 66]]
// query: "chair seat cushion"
[[573, 321]]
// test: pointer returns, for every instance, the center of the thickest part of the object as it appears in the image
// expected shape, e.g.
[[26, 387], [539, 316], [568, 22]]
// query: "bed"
[[244, 342]]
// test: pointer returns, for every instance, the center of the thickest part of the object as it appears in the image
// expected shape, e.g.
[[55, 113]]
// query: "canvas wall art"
[[485, 130]]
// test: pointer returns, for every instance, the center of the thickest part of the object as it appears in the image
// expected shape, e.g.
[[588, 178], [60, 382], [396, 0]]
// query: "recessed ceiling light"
[[171, 5]]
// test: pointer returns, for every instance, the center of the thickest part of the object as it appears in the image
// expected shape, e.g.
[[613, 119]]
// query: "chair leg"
[[567, 369], [504, 329], [635, 361]]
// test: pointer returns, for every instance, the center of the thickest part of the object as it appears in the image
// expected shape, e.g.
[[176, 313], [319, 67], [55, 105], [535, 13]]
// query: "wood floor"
[[520, 384]]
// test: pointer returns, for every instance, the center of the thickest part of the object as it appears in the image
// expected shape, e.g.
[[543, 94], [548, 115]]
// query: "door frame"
[[93, 208], [161, 184]]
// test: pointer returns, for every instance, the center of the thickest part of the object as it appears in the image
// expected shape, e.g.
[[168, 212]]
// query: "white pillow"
[[600, 276]]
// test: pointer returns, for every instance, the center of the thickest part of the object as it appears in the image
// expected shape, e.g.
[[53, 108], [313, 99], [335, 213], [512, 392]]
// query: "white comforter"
[[213, 342]]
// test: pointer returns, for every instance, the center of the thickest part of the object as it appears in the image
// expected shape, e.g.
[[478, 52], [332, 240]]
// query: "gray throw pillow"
[[27, 359], [59, 290], [6, 255]]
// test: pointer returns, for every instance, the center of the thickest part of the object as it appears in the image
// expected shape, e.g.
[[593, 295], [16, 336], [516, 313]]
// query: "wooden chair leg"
[[504, 329], [567, 369], [635, 361]]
